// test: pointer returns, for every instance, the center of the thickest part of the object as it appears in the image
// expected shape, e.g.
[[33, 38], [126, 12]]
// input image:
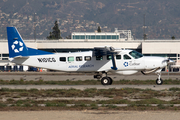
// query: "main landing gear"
[[105, 80]]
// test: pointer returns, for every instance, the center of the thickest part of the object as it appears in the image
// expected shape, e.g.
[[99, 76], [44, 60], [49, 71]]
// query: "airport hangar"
[[85, 41]]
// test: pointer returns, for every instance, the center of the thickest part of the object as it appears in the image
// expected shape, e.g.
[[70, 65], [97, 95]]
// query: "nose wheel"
[[159, 81]]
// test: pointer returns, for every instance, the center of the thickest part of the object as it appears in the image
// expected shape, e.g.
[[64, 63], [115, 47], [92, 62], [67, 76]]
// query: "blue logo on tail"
[[17, 46]]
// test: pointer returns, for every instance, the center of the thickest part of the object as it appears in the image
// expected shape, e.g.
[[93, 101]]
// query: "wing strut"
[[100, 51], [113, 62]]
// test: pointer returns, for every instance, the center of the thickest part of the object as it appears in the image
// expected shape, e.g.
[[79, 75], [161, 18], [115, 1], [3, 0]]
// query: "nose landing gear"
[[159, 81]]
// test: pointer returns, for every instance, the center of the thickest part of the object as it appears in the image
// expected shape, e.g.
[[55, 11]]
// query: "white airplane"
[[100, 61]]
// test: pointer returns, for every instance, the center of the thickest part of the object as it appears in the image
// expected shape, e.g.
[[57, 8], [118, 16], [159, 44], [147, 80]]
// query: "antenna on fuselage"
[[55, 50]]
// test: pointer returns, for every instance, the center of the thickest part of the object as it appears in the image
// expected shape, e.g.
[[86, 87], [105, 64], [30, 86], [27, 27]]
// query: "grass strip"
[[86, 82], [23, 99]]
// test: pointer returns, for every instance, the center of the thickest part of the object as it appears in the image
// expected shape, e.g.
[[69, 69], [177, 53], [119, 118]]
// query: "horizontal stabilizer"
[[21, 57]]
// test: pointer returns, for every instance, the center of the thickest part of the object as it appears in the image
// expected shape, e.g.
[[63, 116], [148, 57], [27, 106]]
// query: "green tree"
[[173, 38], [144, 36], [55, 34], [99, 29]]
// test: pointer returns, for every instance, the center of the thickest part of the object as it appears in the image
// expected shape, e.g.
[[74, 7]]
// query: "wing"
[[101, 51]]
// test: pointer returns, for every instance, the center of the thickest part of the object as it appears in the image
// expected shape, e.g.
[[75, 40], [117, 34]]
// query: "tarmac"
[[89, 115], [62, 76]]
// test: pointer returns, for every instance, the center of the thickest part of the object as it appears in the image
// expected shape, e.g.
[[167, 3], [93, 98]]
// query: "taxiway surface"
[[90, 115], [60, 76]]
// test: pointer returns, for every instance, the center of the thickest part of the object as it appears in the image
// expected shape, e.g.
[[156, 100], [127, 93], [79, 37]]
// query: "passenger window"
[[126, 57], [87, 58], [79, 58], [109, 57], [70, 59], [62, 59], [118, 57], [99, 57]]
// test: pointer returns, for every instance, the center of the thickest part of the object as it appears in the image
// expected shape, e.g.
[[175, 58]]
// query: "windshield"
[[135, 54]]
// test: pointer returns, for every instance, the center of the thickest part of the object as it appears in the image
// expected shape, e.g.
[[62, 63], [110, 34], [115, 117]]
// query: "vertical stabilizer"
[[15, 43]]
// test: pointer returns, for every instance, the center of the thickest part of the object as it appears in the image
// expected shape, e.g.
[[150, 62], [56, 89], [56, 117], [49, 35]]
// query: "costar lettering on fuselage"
[[133, 64]]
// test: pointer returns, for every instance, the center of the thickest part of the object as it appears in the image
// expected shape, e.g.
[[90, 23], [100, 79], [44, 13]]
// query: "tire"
[[111, 81], [105, 81], [159, 82]]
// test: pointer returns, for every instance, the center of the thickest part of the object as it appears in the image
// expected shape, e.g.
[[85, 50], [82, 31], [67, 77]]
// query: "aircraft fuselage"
[[85, 62]]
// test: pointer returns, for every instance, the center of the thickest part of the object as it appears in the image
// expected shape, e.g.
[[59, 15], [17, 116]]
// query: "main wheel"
[[111, 81], [105, 81], [159, 81]]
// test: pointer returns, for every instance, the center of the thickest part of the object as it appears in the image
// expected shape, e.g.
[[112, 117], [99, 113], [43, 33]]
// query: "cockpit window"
[[126, 57], [135, 54]]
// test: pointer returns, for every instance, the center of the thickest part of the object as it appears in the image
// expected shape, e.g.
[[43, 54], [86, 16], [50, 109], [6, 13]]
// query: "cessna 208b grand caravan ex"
[[100, 61]]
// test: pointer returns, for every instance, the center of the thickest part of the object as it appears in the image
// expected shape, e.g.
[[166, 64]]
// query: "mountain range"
[[158, 18]]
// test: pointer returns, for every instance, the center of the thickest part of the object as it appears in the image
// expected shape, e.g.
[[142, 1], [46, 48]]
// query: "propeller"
[[168, 61]]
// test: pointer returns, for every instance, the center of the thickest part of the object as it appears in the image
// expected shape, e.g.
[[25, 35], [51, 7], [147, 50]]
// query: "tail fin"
[[17, 46], [15, 43]]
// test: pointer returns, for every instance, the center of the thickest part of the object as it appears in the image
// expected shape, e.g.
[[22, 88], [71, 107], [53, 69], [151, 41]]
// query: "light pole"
[[34, 27], [144, 35]]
